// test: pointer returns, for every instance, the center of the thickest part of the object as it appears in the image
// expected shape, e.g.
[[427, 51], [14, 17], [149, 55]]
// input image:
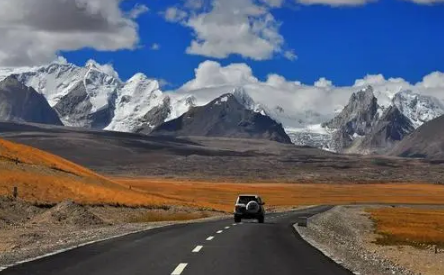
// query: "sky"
[[300, 40]]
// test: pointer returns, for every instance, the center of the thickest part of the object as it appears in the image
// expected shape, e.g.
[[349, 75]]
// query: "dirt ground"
[[28, 231], [218, 159], [347, 234]]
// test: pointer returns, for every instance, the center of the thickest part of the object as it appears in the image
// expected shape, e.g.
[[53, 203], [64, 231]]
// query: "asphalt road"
[[216, 248]]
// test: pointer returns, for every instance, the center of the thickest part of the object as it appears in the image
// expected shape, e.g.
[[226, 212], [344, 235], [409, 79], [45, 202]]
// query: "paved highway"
[[216, 248]]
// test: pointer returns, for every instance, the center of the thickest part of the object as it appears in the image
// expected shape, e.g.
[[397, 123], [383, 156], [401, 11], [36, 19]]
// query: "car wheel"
[[261, 219], [237, 219]]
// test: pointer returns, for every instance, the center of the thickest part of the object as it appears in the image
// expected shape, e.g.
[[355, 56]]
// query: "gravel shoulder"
[[346, 234]]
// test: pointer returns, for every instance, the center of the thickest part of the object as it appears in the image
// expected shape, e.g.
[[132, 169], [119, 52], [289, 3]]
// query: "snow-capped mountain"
[[93, 96], [418, 108], [365, 126]]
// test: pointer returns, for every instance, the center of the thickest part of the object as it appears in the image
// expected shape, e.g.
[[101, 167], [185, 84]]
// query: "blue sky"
[[396, 38]]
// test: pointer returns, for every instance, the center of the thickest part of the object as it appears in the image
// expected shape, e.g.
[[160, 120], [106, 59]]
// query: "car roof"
[[248, 195]]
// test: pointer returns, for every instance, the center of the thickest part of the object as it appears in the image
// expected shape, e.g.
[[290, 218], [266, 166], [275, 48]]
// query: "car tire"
[[237, 219], [261, 219]]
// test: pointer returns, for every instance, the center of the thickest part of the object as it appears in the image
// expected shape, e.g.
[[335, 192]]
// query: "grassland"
[[159, 216], [409, 226], [221, 196], [45, 178]]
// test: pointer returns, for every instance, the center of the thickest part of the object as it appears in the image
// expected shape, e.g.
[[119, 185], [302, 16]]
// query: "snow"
[[300, 108]]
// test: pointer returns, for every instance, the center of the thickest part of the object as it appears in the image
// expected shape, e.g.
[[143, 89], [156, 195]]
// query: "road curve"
[[216, 248]]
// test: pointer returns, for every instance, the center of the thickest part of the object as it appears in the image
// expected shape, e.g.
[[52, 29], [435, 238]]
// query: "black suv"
[[249, 207]]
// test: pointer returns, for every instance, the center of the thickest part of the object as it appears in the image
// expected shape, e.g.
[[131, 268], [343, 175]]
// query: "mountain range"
[[93, 96]]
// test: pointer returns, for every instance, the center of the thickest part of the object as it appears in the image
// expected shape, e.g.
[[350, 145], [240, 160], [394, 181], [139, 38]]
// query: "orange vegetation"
[[222, 195], [45, 178], [409, 226], [158, 216]]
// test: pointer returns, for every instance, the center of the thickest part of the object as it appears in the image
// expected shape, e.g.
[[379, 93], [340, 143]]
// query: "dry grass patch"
[[221, 196], [45, 178], [159, 216], [409, 226]]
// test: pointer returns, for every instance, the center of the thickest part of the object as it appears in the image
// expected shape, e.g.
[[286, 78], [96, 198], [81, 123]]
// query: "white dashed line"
[[197, 249], [210, 238], [227, 227], [234, 224], [179, 269], [220, 231]]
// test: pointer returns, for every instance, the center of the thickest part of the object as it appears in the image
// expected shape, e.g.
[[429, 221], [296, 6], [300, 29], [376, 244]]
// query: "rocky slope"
[[425, 142], [355, 120], [224, 117], [93, 96], [366, 127], [391, 128], [20, 103]]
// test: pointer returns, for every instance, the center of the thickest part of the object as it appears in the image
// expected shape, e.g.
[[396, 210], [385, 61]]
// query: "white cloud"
[[303, 104], [290, 55], [426, 2], [174, 14], [155, 47], [138, 10], [336, 3], [274, 3], [194, 4], [33, 32], [433, 80], [211, 73], [226, 27], [323, 83]]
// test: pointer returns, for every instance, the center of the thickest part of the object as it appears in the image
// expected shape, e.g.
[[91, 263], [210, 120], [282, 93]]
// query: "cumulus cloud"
[[303, 104], [336, 3], [33, 32], [225, 27], [211, 74], [433, 80], [274, 3], [174, 14], [426, 2], [323, 83]]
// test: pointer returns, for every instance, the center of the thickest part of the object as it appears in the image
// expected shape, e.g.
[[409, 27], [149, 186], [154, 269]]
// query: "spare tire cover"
[[252, 207]]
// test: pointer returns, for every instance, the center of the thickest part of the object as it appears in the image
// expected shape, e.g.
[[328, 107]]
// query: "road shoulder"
[[345, 234]]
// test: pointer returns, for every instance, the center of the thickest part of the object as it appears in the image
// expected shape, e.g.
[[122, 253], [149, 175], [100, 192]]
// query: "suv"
[[249, 207]]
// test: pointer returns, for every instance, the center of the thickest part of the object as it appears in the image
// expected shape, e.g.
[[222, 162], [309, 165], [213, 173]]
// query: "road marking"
[[227, 227], [197, 249], [179, 269], [220, 231], [210, 238], [234, 224]]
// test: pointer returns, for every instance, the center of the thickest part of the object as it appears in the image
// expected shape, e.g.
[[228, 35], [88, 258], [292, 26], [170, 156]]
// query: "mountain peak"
[[224, 117], [225, 99]]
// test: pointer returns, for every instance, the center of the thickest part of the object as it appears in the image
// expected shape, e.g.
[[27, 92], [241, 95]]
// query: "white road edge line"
[[210, 238], [179, 269], [197, 249], [220, 231]]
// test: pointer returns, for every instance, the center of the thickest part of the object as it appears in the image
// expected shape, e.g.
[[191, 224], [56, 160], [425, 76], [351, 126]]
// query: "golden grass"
[[221, 196], [158, 216], [45, 178], [416, 227]]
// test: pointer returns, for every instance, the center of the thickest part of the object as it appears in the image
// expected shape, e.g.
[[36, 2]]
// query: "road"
[[216, 248]]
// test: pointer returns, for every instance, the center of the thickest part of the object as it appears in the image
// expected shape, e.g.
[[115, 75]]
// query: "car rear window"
[[246, 199]]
